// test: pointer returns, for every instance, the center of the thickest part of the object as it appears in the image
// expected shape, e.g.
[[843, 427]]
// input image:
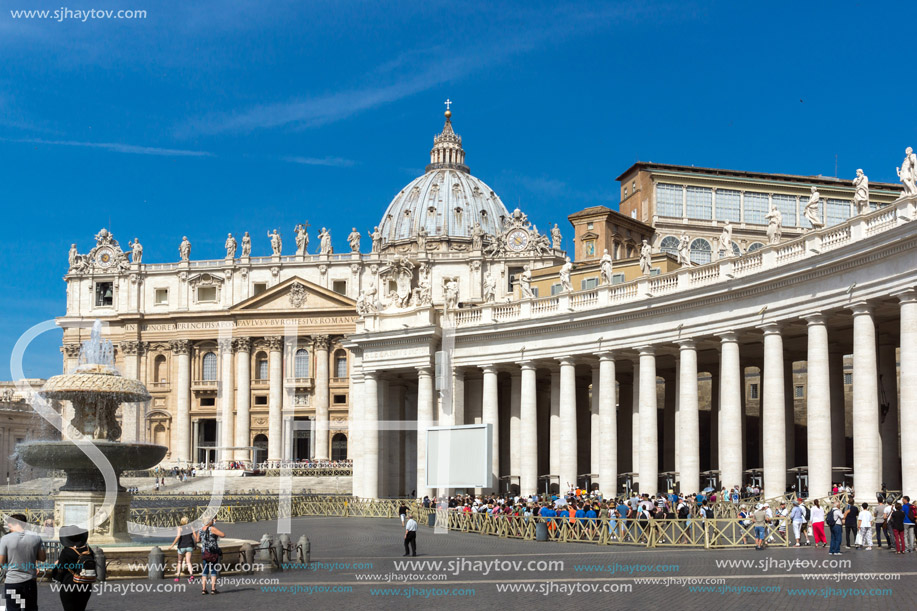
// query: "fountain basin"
[[82, 474]]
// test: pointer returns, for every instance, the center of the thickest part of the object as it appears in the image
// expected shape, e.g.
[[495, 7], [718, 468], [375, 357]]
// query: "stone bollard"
[[265, 554], [278, 554], [156, 564], [287, 547], [304, 550], [100, 563], [247, 558]]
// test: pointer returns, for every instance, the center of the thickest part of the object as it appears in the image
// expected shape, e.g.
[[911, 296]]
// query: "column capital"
[[225, 344], [860, 308], [321, 342], [816, 318], [906, 296], [180, 346], [770, 328], [72, 350], [566, 360], [130, 347], [243, 344], [424, 371], [686, 344], [489, 368], [371, 375], [646, 350], [727, 337], [606, 355], [527, 365], [274, 343]]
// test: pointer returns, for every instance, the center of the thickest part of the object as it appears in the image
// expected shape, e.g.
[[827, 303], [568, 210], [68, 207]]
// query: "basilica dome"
[[446, 201]]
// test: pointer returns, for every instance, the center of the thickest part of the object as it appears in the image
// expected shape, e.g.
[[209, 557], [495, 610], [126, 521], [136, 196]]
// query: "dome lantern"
[[447, 152]]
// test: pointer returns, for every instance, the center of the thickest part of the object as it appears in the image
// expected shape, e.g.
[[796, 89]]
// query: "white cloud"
[[334, 162], [115, 147]]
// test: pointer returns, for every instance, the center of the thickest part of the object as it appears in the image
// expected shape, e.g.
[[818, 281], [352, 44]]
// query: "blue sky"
[[215, 117]]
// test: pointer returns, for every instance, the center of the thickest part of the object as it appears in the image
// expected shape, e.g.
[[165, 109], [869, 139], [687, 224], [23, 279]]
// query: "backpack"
[[683, 512], [83, 569], [829, 518], [912, 513], [808, 514]]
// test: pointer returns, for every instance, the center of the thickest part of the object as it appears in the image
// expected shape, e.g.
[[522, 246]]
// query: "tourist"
[[835, 519], [850, 522], [20, 552], [886, 514], [864, 523], [744, 522], [817, 515], [410, 536], [75, 569], [761, 520], [880, 521], [402, 512], [896, 522], [211, 555], [184, 539], [782, 515], [798, 517], [909, 519]]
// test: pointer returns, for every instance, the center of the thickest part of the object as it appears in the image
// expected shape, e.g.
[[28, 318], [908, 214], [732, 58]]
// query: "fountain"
[[95, 389]]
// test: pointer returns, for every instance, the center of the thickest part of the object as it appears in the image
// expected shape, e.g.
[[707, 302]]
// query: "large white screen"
[[459, 456]]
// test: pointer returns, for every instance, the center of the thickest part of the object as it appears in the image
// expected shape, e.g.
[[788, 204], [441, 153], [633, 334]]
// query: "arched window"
[[301, 363], [701, 252], [160, 371], [755, 246], [669, 245], [339, 447], [159, 435], [736, 250], [340, 364], [261, 366], [209, 368]]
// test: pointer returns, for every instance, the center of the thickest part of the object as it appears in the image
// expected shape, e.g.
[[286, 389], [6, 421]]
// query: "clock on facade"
[[105, 257], [517, 240]]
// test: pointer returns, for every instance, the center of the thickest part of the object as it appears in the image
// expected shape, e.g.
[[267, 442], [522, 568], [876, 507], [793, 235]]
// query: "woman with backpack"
[[75, 569], [211, 555]]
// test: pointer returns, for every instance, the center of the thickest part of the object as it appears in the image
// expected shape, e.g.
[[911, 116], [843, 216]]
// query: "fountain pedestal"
[[71, 507]]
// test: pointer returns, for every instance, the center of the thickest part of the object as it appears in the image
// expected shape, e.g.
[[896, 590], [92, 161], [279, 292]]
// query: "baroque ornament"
[[298, 295]]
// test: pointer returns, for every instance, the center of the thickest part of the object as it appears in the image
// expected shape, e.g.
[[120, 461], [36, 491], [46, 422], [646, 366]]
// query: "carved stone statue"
[[556, 238], [423, 294], [136, 251], [184, 249], [565, 272], [525, 283], [74, 257], [646, 258], [907, 173], [276, 243], [376, 236], [490, 287], [477, 236], [726, 239], [451, 293], [774, 225], [605, 268], [402, 271], [302, 238], [354, 240], [861, 194], [811, 211], [684, 250], [230, 247], [324, 240], [421, 240], [246, 245]]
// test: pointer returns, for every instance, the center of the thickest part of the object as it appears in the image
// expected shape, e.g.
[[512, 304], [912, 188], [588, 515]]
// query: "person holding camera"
[[211, 555]]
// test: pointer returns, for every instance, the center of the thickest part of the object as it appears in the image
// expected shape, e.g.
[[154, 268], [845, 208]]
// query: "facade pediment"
[[295, 294]]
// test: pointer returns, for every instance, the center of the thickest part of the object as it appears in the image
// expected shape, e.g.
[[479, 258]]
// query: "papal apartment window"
[[556, 288], [700, 203], [589, 283], [206, 294], [161, 297], [728, 205], [787, 206], [105, 294], [339, 287], [756, 206], [259, 288], [669, 200], [617, 278], [753, 391], [838, 211]]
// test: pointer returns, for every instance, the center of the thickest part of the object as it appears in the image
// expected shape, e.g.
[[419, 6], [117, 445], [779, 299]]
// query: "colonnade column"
[[243, 346], [649, 438], [369, 463], [275, 398], [731, 441], [908, 399], [568, 440], [528, 474], [608, 426], [424, 420], [818, 407], [689, 418], [322, 419], [181, 447], [888, 415], [490, 414], [227, 426], [515, 423], [554, 426], [838, 407], [866, 446], [635, 421], [773, 413], [594, 427]]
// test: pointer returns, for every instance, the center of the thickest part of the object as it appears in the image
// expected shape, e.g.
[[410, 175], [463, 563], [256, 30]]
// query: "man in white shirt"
[[864, 522], [20, 553], [410, 536]]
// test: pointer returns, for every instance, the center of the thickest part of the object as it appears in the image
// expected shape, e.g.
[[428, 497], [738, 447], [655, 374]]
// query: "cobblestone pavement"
[[357, 563]]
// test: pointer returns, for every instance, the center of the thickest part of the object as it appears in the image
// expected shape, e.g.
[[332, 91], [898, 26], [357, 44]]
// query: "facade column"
[[731, 441], [243, 346], [594, 427], [773, 413], [554, 426], [424, 421], [490, 414], [689, 418], [908, 399], [608, 426], [322, 418], [649, 437], [528, 474], [838, 408], [181, 446], [355, 436], [131, 413], [888, 414], [369, 464], [867, 456], [515, 423], [568, 439], [275, 398], [226, 438], [818, 408]]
